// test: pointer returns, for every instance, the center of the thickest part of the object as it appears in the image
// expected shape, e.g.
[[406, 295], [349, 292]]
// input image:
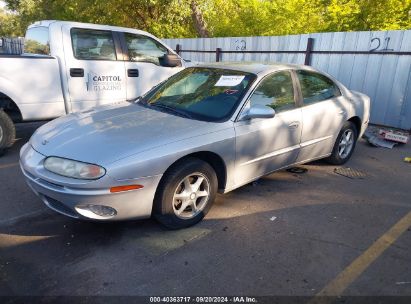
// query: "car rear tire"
[[185, 194], [344, 144], [7, 132]]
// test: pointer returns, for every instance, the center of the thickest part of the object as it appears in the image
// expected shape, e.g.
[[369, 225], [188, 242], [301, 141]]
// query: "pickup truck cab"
[[68, 67]]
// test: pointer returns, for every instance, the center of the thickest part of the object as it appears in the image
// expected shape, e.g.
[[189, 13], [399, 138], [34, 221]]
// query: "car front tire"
[[344, 144], [185, 194]]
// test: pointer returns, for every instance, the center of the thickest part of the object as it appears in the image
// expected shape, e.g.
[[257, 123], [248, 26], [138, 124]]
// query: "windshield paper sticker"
[[229, 81]]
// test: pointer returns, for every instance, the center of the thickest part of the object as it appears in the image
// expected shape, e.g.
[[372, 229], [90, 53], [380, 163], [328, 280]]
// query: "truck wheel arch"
[[10, 108]]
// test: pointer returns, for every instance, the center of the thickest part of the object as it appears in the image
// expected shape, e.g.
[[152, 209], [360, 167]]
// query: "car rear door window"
[[93, 44], [144, 49], [316, 87], [275, 91]]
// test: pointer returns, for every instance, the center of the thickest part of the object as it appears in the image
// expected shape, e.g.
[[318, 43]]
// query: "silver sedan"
[[208, 129]]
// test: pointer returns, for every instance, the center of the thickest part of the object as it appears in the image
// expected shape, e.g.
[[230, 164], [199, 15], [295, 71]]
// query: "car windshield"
[[209, 94]]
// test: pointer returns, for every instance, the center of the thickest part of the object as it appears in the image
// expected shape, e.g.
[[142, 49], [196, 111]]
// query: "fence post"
[[217, 54], [308, 51], [21, 45], [178, 49]]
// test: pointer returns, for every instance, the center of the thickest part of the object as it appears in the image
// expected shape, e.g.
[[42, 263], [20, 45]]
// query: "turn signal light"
[[125, 188]]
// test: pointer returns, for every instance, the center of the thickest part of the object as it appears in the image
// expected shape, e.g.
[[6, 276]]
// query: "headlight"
[[74, 169]]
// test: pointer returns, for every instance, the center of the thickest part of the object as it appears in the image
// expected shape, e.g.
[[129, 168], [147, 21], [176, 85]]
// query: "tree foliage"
[[164, 18], [218, 18]]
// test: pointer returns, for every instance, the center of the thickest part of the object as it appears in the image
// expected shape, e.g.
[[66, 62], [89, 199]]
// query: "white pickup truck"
[[68, 67]]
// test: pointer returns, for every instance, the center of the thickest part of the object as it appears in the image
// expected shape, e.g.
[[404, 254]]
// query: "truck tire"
[[7, 132]]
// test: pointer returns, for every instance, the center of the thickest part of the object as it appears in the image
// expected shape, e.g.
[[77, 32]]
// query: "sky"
[[2, 4]]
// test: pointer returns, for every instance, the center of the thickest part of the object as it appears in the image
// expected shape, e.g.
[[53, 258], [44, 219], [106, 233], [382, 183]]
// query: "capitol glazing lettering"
[[103, 83]]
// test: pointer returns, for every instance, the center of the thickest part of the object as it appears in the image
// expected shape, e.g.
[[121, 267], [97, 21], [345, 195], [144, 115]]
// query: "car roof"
[[264, 68], [255, 67]]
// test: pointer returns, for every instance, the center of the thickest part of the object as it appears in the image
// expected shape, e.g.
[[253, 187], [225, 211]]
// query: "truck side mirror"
[[170, 60]]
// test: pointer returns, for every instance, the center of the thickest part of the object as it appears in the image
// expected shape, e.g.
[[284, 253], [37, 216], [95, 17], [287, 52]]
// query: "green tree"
[[364, 15], [215, 18], [284, 17], [9, 24], [164, 18], [259, 17]]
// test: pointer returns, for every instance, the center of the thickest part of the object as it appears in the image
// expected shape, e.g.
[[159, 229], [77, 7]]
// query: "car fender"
[[157, 160]]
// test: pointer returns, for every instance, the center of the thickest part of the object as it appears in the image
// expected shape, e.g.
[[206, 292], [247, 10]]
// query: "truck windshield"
[[37, 41], [209, 94]]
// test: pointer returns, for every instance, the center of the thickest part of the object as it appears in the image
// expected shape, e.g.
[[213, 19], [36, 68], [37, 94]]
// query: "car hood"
[[105, 135]]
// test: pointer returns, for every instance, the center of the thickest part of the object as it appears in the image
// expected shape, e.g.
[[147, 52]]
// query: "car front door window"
[[145, 49], [275, 91]]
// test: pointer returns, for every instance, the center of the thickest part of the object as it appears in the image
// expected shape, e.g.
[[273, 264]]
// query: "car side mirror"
[[170, 60], [258, 111]]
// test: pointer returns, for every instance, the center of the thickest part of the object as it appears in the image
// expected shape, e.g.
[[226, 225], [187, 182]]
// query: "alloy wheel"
[[191, 196], [346, 143]]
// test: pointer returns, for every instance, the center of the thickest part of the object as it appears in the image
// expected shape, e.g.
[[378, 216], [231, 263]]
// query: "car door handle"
[[342, 112], [132, 73], [294, 125], [75, 72]]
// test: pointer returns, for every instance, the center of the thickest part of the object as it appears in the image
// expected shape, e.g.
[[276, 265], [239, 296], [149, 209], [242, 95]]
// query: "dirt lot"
[[287, 234]]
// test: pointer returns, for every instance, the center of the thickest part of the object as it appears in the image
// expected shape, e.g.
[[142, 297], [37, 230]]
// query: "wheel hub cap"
[[191, 195]]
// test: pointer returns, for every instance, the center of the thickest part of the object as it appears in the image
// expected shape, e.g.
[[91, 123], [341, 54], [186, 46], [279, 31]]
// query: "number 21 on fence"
[[376, 44]]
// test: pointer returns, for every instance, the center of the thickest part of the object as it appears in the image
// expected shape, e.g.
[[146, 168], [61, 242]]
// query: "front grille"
[[60, 207]]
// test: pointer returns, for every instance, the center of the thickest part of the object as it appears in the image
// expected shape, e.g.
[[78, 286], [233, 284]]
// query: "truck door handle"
[[294, 125], [132, 73], [76, 72]]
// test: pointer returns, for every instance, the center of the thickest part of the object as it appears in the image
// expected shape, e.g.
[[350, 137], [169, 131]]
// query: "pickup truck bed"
[[35, 82]]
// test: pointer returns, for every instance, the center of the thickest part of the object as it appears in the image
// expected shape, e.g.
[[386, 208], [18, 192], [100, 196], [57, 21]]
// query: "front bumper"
[[71, 197]]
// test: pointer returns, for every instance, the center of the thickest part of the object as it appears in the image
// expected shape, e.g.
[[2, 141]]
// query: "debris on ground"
[[273, 218], [375, 140], [350, 173], [297, 170], [379, 142], [386, 138], [396, 136]]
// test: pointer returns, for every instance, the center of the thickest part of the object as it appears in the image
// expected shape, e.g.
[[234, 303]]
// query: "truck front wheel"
[[7, 131]]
